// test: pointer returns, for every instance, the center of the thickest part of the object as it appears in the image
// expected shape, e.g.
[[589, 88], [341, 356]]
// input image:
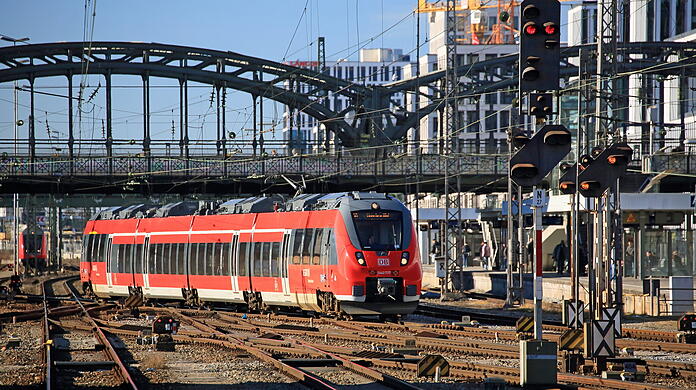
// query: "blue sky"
[[257, 28]]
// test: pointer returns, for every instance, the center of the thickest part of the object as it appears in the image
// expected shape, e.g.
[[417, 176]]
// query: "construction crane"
[[502, 32]]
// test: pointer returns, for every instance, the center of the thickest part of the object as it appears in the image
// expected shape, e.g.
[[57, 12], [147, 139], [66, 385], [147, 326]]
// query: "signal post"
[[538, 77]]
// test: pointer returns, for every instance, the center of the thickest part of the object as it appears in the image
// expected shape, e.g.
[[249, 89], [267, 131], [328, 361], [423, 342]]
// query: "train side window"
[[243, 258], [193, 253], [333, 255], [275, 259], [127, 257], [137, 258], [151, 258], [307, 246], [212, 266], [318, 240], [113, 262], [202, 258], [181, 258], [86, 247], [225, 258], [173, 252], [103, 247], [256, 259], [296, 240], [265, 259]]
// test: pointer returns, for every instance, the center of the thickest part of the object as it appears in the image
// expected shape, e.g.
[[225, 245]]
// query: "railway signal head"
[[566, 183], [518, 138], [602, 171], [539, 45], [536, 158], [540, 104]]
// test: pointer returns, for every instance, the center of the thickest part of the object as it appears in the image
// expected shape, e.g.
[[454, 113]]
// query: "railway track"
[[71, 353]]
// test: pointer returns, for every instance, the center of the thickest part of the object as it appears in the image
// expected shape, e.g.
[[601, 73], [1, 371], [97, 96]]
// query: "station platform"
[[556, 287]]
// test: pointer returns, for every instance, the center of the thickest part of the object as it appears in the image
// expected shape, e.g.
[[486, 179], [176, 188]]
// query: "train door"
[[145, 264], [325, 271], [286, 249], [110, 260], [138, 264], [233, 262]]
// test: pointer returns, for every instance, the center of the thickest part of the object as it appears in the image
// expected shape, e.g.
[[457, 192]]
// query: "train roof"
[[256, 204]]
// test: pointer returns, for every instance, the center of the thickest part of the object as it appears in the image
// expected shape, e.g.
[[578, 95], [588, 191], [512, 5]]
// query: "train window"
[[256, 259], [379, 230], [202, 254], [127, 257], [318, 240], [181, 258], [103, 247], [113, 261], [275, 259], [333, 255], [243, 257], [151, 249], [296, 240], [212, 266], [307, 246], [87, 247], [265, 259], [138, 258], [225, 258]]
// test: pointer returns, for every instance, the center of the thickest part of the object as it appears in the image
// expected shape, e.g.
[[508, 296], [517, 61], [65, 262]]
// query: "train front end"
[[379, 256]]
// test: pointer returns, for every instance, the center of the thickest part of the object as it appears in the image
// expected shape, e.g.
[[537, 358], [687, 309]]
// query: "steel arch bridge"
[[375, 123]]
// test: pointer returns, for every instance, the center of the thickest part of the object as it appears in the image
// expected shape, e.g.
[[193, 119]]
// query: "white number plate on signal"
[[383, 262]]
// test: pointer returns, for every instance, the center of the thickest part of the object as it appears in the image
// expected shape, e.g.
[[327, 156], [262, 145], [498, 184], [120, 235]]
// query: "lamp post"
[[15, 197]]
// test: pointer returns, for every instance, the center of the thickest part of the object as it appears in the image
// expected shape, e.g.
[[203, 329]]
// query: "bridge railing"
[[248, 166]]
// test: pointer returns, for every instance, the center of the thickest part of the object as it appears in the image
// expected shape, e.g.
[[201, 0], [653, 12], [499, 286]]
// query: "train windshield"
[[379, 230], [32, 242]]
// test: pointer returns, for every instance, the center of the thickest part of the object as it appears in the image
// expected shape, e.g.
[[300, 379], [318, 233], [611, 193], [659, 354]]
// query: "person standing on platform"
[[485, 256], [434, 250], [559, 256], [466, 254]]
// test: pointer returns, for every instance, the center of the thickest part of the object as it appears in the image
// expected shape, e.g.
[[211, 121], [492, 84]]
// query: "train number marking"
[[383, 262], [305, 272]]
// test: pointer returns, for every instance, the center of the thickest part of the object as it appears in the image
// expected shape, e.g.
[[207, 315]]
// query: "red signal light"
[[585, 186], [611, 160], [564, 186], [550, 29], [531, 29]]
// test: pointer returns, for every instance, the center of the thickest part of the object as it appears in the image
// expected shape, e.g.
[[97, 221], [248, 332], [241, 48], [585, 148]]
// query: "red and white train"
[[32, 248], [353, 253]]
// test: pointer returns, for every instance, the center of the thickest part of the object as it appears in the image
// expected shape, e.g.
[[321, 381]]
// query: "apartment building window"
[[397, 73], [339, 72], [434, 67], [472, 121], [461, 59], [350, 75], [665, 10], [491, 98], [506, 97], [385, 73], [362, 73], [373, 73], [338, 106], [491, 121], [504, 120], [472, 58], [681, 16], [435, 127]]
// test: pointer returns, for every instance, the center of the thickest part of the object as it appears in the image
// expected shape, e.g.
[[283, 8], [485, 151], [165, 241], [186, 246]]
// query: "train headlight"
[[360, 258], [404, 258]]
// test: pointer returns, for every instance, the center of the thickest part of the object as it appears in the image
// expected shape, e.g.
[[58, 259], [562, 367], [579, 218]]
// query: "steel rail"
[[46, 342], [122, 370]]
